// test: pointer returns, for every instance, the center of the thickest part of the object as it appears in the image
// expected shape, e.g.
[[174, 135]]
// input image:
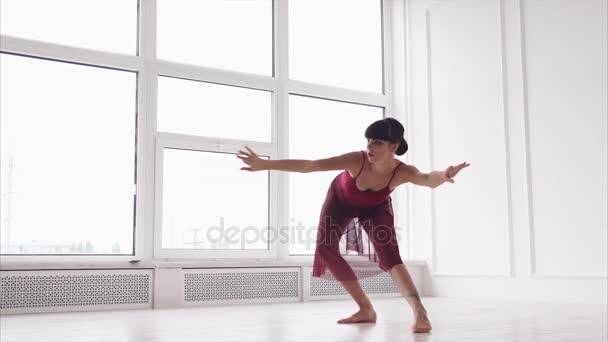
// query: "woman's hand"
[[452, 171], [254, 162]]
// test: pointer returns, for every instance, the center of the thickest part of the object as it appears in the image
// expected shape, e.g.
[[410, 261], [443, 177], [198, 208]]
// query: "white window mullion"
[[205, 74], [70, 54], [146, 117], [337, 94], [387, 55], [219, 144], [389, 109], [395, 91], [281, 57]]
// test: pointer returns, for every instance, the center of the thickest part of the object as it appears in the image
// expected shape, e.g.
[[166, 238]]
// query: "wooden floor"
[[453, 320]]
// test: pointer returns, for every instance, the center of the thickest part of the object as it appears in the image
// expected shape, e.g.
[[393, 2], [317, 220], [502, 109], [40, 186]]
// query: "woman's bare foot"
[[361, 316], [421, 323]]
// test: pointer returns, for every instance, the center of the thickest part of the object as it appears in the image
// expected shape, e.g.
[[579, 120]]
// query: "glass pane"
[[338, 128], [230, 35], [336, 43], [209, 203], [207, 109], [67, 152], [108, 25]]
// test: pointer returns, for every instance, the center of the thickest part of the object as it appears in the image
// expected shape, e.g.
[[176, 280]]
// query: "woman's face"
[[380, 150]]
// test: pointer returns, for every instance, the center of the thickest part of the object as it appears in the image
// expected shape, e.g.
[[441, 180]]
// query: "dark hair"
[[390, 130]]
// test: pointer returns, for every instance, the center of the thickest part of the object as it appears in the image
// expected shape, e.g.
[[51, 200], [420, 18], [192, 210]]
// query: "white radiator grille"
[[241, 285], [22, 290], [371, 281]]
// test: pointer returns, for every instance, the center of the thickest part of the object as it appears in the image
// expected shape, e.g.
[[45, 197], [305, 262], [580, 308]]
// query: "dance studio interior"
[[303, 170]]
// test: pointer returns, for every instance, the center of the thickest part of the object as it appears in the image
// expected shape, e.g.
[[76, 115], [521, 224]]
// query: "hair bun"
[[402, 147]]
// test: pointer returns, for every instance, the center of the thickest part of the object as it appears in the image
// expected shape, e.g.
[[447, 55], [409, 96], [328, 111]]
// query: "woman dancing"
[[362, 192]]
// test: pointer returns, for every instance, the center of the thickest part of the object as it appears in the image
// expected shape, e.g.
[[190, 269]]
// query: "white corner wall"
[[518, 88]]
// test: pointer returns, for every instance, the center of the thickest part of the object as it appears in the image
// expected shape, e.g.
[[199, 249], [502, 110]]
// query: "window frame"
[[198, 144]]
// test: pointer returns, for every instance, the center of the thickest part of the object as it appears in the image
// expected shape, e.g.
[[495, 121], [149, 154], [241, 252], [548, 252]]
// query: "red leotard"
[[348, 209]]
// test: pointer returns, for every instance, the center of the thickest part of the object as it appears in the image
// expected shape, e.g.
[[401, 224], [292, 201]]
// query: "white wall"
[[518, 88]]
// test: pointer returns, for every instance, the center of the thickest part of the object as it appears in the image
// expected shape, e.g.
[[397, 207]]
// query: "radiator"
[[241, 285], [74, 290]]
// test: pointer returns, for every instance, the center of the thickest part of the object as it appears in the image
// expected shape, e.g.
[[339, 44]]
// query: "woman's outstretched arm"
[[255, 163], [432, 179]]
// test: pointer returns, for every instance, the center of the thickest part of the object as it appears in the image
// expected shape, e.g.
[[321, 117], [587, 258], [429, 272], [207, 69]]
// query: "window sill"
[[154, 264]]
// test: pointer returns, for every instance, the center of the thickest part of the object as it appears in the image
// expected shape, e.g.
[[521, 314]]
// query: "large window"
[[67, 158], [121, 136]]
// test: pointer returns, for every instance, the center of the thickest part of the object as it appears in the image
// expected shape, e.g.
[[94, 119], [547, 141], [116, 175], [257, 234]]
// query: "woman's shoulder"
[[357, 160], [404, 172], [405, 168]]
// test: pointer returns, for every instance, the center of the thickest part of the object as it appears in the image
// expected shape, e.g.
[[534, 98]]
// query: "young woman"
[[362, 191]]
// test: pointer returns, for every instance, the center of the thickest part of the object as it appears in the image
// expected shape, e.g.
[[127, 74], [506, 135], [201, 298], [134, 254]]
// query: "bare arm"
[[340, 162], [289, 165], [432, 179]]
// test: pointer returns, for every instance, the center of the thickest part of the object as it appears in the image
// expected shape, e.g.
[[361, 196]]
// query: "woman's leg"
[[328, 255], [404, 283], [333, 222], [381, 231], [366, 313]]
